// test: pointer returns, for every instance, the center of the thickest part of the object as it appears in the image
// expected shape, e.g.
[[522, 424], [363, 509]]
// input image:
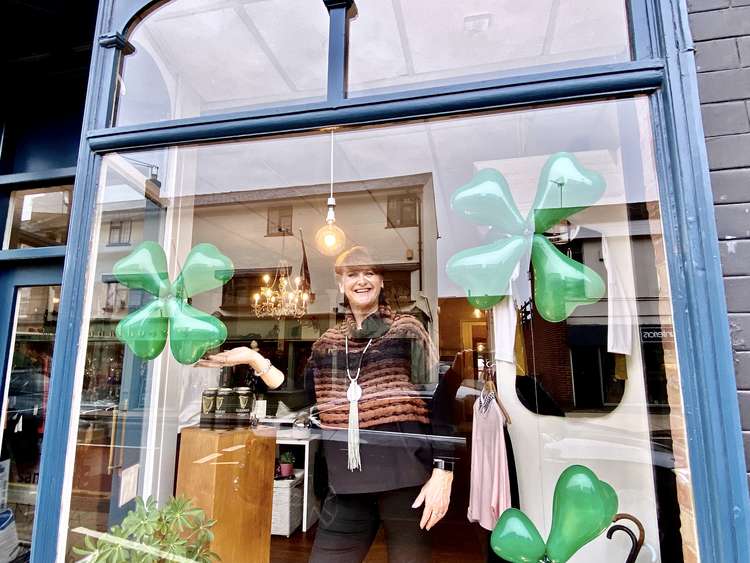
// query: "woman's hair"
[[357, 257]]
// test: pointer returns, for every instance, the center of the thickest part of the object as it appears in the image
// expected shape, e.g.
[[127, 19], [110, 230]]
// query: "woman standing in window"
[[382, 467]]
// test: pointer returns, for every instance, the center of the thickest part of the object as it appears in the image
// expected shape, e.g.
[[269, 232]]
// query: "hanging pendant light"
[[330, 239]]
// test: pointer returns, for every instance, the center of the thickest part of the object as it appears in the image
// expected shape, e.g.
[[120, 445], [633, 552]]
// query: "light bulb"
[[266, 279], [256, 297], [330, 239]]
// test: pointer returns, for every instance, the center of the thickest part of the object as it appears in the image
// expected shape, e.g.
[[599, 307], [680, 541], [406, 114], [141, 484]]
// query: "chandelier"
[[281, 297]]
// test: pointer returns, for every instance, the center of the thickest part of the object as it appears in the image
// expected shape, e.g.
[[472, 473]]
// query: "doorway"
[[29, 304]]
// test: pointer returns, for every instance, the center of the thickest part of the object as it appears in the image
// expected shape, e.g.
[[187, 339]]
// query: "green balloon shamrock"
[[583, 507], [560, 283], [191, 331]]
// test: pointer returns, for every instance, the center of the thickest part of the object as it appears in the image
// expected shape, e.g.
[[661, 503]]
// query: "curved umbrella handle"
[[637, 541]]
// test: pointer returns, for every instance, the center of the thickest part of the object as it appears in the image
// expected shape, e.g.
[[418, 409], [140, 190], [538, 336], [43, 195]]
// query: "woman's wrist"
[[256, 361], [266, 371], [262, 366], [442, 474]]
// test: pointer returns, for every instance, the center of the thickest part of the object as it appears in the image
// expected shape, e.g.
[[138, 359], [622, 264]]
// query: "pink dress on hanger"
[[490, 483]]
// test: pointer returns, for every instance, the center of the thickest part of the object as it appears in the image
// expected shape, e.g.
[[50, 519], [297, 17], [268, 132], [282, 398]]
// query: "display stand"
[[310, 443], [287, 505], [229, 474]]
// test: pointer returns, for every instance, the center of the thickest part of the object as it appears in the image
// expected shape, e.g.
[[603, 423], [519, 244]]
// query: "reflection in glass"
[[197, 58], [596, 386], [38, 217], [399, 44], [25, 411]]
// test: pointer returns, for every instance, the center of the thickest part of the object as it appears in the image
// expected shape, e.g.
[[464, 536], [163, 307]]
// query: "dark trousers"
[[348, 525]]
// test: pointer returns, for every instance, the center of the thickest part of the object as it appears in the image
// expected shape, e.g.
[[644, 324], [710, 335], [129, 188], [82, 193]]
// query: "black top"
[[394, 455]]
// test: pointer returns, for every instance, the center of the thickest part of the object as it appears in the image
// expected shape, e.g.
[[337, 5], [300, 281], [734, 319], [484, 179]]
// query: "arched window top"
[[195, 57], [400, 44]]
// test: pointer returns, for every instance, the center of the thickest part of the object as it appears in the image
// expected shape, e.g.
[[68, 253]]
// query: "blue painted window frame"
[[24, 267], [663, 67], [16, 272]]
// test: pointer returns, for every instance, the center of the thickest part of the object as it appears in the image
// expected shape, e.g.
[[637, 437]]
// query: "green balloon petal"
[[487, 200], [484, 302], [560, 283], [516, 539], [192, 332], [583, 507], [565, 188], [484, 271], [145, 330], [205, 268], [145, 268]]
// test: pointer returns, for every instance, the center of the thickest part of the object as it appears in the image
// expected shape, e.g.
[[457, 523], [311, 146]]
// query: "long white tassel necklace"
[[354, 394]]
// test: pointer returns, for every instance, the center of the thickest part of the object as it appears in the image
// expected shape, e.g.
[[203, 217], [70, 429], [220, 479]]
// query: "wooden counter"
[[229, 474]]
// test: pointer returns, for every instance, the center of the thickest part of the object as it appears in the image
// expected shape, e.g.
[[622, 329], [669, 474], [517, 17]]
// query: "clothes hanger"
[[489, 387]]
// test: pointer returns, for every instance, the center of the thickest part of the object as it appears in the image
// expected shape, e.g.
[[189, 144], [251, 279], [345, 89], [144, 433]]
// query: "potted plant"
[[148, 533], [287, 464]]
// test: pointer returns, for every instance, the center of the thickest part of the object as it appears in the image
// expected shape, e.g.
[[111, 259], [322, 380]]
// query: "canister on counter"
[[208, 407], [244, 404], [226, 400], [208, 400]]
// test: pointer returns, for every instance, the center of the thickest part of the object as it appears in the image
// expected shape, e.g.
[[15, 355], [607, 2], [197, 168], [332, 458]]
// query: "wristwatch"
[[443, 464]]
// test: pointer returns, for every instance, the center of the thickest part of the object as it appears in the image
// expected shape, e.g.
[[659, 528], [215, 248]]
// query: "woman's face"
[[362, 288]]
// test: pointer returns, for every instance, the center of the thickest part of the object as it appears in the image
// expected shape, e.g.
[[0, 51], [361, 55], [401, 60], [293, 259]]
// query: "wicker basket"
[[287, 505]]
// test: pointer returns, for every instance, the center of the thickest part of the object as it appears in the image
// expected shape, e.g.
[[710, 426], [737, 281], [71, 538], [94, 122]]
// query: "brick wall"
[[721, 31], [549, 358]]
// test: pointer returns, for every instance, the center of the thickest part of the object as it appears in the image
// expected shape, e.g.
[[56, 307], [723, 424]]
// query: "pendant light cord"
[[331, 163]]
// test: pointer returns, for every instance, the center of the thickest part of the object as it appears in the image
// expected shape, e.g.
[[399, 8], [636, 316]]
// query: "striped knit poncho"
[[400, 355]]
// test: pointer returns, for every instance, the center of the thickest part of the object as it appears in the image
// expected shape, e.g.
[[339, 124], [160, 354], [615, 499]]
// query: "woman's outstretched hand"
[[235, 357], [244, 355], [436, 496]]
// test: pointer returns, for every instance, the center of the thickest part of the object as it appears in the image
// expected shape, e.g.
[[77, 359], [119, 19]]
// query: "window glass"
[[197, 58], [24, 415], [279, 221], [531, 289], [402, 211], [38, 217], [398, 44]]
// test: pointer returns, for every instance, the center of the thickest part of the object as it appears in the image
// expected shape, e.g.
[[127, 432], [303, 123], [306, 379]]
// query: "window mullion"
[[643, 40], [337, 48]]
